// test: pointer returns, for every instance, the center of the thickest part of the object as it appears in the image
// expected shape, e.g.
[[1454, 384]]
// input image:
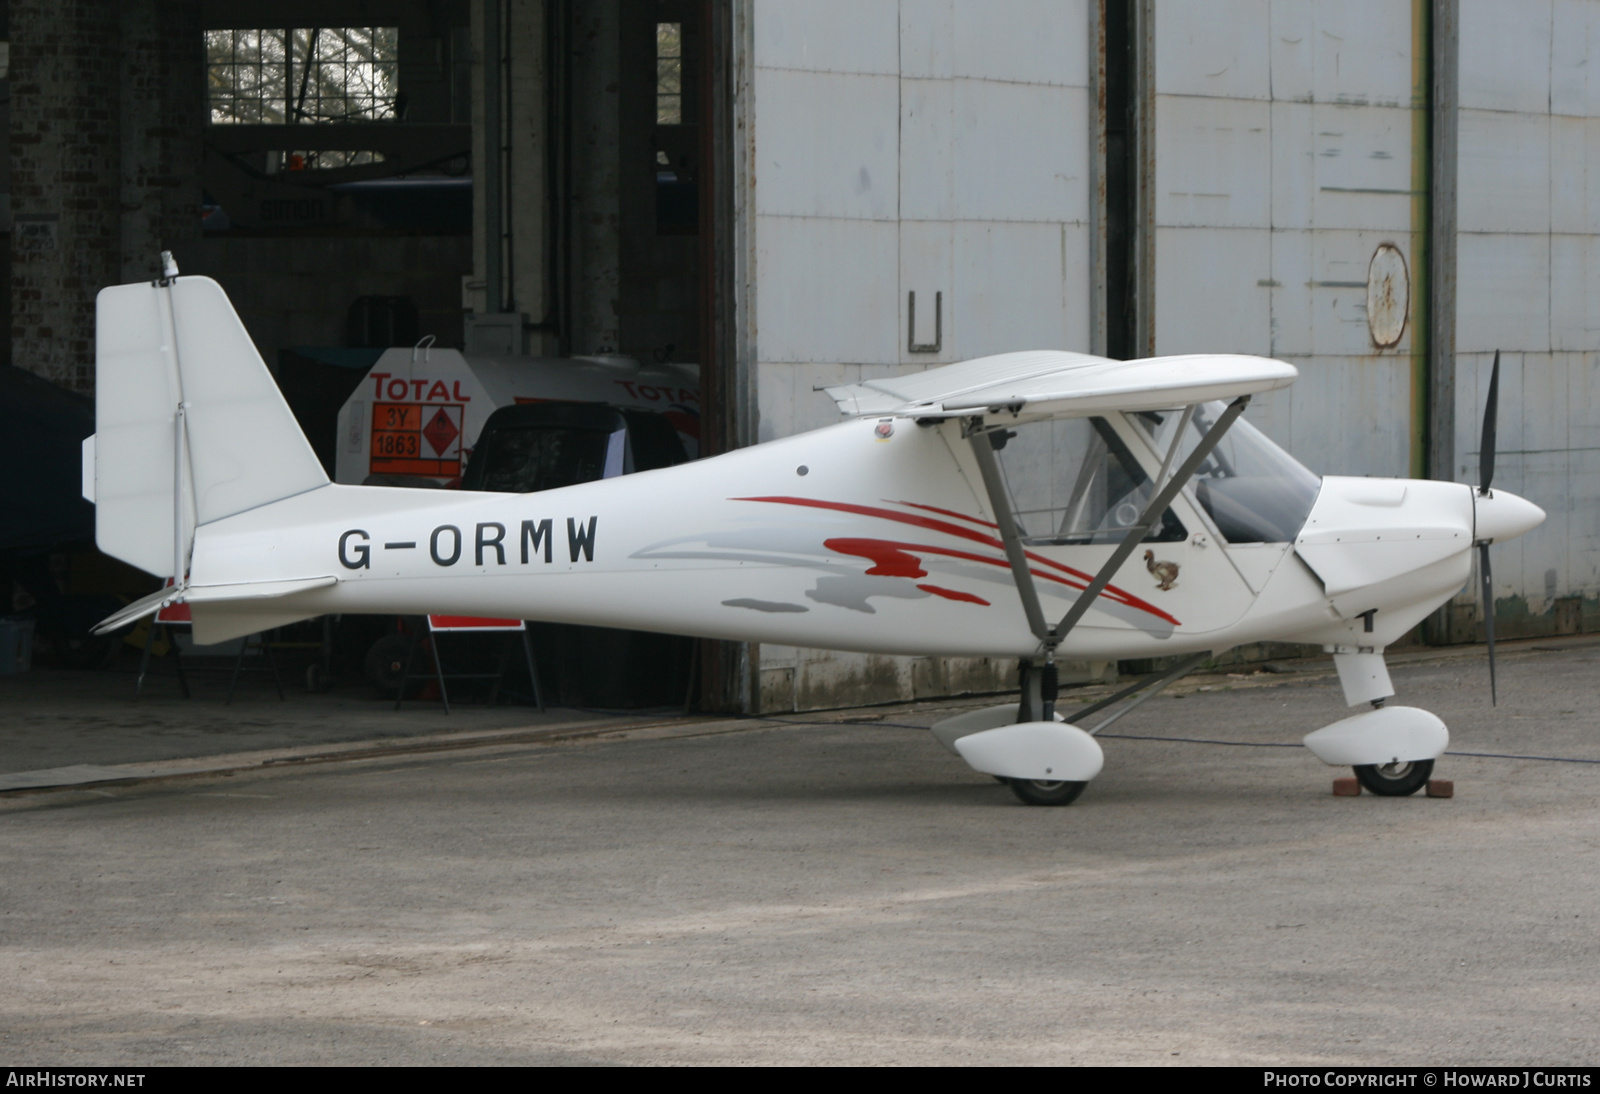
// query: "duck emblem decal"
[[1165, 573]]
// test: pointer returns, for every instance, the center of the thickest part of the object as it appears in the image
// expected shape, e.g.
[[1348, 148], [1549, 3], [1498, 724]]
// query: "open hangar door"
[[522, 179], [595, 234]]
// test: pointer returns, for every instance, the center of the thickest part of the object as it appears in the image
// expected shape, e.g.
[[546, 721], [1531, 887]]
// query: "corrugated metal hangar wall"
[[1382, 192]]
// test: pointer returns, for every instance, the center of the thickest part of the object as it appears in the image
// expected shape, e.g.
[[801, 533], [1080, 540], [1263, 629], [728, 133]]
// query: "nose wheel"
[[1045, 792], [1394, 780]]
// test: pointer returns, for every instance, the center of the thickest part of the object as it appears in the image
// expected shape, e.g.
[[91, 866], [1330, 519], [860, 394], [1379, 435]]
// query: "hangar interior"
[[794, 195], [503, 176]]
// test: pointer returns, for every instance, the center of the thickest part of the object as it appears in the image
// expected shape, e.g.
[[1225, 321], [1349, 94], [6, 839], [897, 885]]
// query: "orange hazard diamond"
[[441, 432]]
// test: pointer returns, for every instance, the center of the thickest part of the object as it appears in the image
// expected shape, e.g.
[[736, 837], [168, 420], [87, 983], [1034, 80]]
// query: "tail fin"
[[190, 427]]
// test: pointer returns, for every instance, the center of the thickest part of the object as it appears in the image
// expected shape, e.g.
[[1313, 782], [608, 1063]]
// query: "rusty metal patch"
[[1388, 295]]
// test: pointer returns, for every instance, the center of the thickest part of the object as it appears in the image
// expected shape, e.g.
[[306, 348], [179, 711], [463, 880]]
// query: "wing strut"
[[1051, 637], [1156, 684], [1152, 513], [989, 468]]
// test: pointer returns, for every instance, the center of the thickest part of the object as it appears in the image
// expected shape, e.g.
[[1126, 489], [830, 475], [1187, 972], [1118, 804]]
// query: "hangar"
[[792, 195]]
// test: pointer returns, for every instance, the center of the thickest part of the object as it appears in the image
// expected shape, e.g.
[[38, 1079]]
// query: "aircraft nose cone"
[[1503, 515]]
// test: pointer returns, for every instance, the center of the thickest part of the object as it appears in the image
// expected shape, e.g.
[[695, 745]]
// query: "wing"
[[1056, 384]]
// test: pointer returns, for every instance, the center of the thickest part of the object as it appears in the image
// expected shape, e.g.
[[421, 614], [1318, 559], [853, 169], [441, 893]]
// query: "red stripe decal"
[[1112, 592], [951, 594], [889, 559], [950, 513]]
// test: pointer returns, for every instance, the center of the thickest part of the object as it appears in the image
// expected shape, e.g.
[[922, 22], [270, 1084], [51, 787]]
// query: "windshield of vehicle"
[[1253, 490], [520, 461]]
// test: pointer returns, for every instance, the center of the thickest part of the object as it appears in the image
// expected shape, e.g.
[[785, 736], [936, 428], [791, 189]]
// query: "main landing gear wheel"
[[1045, 792], [1394, 780]]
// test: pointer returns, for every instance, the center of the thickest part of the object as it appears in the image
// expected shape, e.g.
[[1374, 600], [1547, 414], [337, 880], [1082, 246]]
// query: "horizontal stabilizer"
[[209, 594], [221, 621], [1055, 384], [255, 590], [140, 608]]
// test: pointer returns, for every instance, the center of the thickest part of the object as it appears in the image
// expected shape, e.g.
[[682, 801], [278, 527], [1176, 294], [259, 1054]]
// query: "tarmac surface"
[[322, 881]]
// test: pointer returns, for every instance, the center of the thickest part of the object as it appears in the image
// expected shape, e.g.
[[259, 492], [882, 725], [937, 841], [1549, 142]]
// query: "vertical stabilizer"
[[190, 427]]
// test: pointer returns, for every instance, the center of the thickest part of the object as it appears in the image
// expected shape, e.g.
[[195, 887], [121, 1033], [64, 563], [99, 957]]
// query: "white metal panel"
[[1029, 41], [828, 35], [1363, 166], [1019, 286], [1339, 264], [1541, 572], [1213, 48], [1294, 165], [1574, 282], [927, 40], [775, 399], [828, 289], [1213, 163], [1583, 520], [1569, 183], [1505, 55], [1291, 50], [1208, 293], [1469, 415], [1356, 413], [1502, 291], [927, 148], [927, 268], [1503, 182], [1362, 51], [1574, 39], [1546, 408], [1288, 283], [1021, 151], [827, 144], [1591, 176], [1583, 390]]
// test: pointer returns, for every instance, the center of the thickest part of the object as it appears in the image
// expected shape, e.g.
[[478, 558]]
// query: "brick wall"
[[64, 194], [105, 139], [162, 111]]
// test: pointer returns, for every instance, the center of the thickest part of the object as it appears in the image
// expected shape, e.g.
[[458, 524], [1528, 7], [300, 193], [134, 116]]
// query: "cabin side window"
[[1253, 490], [1074, 481]]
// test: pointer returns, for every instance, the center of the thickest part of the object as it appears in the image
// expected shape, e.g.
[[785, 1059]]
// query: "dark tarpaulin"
[[42, 428]]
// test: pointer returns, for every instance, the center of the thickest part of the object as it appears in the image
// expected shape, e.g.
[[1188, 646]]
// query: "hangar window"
[[288, 76], [669, 73]]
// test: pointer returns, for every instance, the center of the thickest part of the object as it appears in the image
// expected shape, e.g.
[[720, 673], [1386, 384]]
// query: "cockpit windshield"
[[1074, 481], [1253, 490]]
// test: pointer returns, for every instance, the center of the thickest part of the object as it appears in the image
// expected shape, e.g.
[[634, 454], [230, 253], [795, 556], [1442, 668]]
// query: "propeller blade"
[[1491, 412], [1488, 615]]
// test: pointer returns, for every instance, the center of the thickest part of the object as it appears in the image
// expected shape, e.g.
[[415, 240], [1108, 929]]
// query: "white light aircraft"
[[1035, 506]]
